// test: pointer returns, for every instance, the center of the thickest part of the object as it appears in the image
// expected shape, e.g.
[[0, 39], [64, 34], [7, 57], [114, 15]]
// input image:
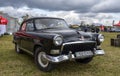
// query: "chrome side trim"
[[27, 51]]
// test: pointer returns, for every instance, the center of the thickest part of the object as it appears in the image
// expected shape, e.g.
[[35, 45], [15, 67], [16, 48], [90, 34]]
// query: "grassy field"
[[13, 64]]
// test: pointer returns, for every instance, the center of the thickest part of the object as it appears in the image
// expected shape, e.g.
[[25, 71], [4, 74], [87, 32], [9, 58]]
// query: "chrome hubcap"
[[41, 59]]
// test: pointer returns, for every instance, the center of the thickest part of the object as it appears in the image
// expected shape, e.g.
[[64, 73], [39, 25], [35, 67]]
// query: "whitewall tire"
[[42, 63]]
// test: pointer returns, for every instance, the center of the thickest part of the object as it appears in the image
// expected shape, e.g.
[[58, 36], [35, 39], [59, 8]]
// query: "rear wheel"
[[42, 62], [17, 49], [84, 61]]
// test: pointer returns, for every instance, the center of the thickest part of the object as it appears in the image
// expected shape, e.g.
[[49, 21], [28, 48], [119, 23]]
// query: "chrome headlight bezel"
[[101, 37], [58, 40]]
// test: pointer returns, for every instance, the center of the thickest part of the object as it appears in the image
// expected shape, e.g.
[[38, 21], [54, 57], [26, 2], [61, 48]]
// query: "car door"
[[29, 41], [21, 33], [26, 37]]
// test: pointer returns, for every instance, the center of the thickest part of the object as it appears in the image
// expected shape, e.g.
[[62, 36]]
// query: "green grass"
[[13, 64]]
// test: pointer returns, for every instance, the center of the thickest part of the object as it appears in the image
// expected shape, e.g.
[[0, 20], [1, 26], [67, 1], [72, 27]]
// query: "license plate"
[[84, 54]]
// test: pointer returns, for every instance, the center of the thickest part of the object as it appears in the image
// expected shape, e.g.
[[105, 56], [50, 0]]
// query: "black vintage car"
[[51, 41]]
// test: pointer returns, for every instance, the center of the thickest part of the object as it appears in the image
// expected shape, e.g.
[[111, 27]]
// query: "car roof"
[[43, 18]]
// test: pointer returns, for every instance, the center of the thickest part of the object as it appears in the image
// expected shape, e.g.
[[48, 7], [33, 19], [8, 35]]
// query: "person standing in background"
[[3, 23], [102, 28]]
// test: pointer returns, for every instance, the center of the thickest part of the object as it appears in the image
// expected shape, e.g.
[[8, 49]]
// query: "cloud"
[[78, 6], [53, 5], [73, 11], [107, 6]]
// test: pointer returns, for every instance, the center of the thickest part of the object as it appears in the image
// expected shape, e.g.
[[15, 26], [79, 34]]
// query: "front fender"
[[45, 41]]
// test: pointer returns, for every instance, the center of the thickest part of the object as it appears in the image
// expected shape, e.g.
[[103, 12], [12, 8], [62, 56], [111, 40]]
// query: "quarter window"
[[23, 28]]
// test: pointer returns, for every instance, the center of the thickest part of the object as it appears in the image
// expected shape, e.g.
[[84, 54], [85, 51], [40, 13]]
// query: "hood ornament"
[[81, 38]]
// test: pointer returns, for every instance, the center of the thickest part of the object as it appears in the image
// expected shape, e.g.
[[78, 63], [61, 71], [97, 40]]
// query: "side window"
[[30, 26], [23, 28]]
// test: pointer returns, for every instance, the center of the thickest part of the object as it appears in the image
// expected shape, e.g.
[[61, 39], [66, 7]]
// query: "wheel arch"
[[35, 47]]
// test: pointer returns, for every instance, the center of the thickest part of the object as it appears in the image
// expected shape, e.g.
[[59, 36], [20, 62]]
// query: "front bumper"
[[70, 56]]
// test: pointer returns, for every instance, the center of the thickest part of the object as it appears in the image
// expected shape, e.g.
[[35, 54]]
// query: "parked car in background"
[[51, 41]]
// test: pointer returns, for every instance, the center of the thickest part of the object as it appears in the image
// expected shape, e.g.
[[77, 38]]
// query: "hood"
[[86, 34], [67, 34], [63, 32]]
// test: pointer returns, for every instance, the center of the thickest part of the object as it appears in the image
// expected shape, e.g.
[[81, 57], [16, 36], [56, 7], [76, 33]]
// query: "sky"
[[73, 11]]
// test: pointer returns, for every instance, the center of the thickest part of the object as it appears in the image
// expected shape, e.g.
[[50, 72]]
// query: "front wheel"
[[41, 61], [84, 61]]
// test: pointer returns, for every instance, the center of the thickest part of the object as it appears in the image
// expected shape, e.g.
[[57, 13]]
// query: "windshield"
[[50, 23]]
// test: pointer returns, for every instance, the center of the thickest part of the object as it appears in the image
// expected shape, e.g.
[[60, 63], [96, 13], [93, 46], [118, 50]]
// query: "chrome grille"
[[85, 46]]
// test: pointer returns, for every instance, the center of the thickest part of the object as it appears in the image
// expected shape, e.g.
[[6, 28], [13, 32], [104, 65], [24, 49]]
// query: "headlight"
[[101, 37], [58, 40]]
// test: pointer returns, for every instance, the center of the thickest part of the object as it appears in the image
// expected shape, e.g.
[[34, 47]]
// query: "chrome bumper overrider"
[[70, 56], [99, 52]]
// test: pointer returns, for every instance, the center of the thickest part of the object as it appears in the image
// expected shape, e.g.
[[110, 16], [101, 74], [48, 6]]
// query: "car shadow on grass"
[[71, 66]]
